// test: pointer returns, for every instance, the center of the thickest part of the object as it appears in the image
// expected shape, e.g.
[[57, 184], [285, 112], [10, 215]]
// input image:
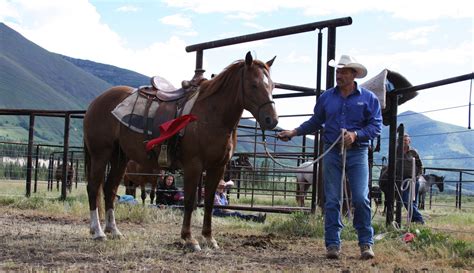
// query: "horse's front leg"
[[213, 176], [192, 175]]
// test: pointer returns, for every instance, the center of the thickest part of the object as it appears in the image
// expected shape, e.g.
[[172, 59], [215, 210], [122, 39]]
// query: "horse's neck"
[[221, 109]]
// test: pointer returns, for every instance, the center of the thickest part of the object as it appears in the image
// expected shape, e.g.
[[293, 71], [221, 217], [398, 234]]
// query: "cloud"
[[254, 26], [128, 8], [406, 9], [75, 29], [411, 34], [178, 20], [242, 16], [301, 59]]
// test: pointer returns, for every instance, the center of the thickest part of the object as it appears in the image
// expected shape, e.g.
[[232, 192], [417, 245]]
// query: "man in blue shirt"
[[357, 110]]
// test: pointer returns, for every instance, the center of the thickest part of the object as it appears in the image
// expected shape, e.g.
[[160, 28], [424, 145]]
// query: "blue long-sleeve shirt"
[[359, 112]]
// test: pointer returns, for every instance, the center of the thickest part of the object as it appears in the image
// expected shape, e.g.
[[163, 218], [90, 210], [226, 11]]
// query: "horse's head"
[[440, 182], [243, 162], [435, 179], [257, 88]]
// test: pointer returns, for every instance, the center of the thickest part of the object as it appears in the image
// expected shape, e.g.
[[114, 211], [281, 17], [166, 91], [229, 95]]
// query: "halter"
[[243, 97]]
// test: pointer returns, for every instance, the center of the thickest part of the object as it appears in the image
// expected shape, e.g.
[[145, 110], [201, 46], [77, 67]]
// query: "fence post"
[[29, 159]]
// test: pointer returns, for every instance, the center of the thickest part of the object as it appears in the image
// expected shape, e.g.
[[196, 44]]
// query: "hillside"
[[109, 73], [34, 78]]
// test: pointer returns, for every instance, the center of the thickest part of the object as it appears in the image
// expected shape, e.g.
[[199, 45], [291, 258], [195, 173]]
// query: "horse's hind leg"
[[143, 188], [117, 170], [95, 178]]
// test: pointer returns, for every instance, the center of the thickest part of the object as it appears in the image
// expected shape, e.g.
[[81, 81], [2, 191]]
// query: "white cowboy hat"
[[347, 61]]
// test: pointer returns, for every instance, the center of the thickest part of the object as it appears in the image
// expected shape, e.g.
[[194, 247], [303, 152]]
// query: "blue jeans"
[[416, 216], [357, 171]]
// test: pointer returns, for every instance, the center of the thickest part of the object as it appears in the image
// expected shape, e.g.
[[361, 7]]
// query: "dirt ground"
[[34, 242]]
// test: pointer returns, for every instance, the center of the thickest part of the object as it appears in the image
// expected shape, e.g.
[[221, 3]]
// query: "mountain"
[[34, 78], [109, 73]]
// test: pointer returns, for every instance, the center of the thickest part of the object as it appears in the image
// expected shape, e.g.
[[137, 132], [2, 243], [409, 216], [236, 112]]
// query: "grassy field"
[[55, 235]]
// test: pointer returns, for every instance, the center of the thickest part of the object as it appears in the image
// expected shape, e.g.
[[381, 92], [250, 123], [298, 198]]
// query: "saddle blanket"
[[131, 112]]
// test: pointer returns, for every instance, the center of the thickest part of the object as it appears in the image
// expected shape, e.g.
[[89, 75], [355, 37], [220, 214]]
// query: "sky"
[[423, 40]]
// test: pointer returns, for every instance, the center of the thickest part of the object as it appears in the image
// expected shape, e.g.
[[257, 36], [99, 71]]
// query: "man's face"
[[345, 76], [406, 140]]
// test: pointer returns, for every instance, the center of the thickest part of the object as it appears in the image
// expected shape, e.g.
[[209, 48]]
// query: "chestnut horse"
[[207, 144], [136, 176]]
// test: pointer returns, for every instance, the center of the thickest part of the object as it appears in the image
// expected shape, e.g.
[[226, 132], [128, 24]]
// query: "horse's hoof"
[[193, 247], [117, 235], [211, 243], [99, 237]]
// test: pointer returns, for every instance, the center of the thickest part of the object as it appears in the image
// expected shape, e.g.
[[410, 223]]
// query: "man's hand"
[[286, 135], [349, 138]]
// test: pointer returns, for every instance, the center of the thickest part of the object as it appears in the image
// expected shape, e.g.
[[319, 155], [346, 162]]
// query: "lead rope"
[[343, 158], [343, 177], [312, 162]]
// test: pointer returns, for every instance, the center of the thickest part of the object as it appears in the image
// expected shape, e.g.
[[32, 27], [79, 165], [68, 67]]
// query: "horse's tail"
[[87, 162]]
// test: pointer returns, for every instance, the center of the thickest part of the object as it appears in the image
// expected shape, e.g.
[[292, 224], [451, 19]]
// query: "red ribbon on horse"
[[169, 129]]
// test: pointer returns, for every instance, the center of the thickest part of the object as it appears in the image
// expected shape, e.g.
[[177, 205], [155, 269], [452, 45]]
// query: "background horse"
[[425, 181], [304, 179], [137, 176], [207, 145], [425, 185], [58, 176]]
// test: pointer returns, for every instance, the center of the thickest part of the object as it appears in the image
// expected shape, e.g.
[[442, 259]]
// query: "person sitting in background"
[[167, 194], [220, 199]]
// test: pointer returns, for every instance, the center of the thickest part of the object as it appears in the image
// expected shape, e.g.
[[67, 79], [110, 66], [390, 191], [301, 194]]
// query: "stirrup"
[[164, 160]]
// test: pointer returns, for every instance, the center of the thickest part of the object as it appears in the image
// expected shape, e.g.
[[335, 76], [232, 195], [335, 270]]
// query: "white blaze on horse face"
[[265, 79]]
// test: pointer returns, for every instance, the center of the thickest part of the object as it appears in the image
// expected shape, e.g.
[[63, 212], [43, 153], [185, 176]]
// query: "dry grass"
[[41, 234]]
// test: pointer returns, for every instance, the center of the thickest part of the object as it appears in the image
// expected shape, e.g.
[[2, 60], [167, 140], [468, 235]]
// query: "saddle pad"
[[377, 85], [130, 112]]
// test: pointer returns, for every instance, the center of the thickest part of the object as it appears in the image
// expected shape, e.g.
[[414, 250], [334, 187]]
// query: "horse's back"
[[100, 126], [304, 175]]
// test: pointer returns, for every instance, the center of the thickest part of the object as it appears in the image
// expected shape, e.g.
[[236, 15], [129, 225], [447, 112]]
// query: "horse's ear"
[[269, 63], [248, 59]]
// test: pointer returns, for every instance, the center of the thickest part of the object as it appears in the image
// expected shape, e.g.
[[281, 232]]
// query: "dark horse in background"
[[137, 176], [236, 167], [58, 176], [426, 181], [207, 145]]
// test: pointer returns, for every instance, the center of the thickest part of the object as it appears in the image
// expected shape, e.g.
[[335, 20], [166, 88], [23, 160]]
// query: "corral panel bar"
[[67, 121], [271, 34], [411, 89], [36, 168], [29, 164], [391, 161]]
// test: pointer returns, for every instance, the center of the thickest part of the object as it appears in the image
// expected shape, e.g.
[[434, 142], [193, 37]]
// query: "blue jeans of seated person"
[[221, 213], [416, 216], [357, 172]]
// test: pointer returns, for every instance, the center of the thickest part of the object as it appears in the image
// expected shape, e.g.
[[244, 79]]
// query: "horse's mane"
[[229, 76]]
